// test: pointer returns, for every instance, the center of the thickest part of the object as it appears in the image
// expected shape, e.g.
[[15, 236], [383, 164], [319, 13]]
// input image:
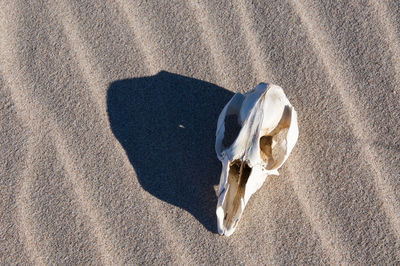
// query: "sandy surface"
[[108, 113]]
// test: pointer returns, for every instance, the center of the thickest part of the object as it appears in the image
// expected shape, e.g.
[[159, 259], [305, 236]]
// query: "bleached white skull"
[[255, 134]]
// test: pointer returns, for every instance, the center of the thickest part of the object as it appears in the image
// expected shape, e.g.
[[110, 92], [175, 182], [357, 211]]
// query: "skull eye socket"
[[229, 124], [273, 145], [232, 130], [266, 149]]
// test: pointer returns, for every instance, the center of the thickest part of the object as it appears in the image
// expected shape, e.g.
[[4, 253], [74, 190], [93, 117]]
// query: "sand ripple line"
[[23, 211], [83, 56], [26, 224], [154, 63], [330, 243], [385, 21], [23, 99], [334, 248], [86, 204], [131, 13], [209, 37], [259, 67], [333, 67]]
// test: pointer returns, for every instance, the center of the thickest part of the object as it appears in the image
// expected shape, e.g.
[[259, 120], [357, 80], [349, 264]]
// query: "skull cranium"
[[255, 134]]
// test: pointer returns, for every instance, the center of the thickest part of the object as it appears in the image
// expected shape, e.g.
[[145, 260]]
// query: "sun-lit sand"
[[108, 113]]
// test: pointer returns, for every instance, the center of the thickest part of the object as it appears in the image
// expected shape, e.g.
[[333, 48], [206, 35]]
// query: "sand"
[[108, 113]]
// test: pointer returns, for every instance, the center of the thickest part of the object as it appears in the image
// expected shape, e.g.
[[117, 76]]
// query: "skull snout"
[[232, 196]]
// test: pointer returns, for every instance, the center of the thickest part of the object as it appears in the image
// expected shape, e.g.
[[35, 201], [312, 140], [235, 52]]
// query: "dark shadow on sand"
[[166, 123]]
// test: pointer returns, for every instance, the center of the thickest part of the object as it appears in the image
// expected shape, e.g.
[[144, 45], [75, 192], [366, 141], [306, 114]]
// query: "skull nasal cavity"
[[232, 129], [245, 173], [240, 172]]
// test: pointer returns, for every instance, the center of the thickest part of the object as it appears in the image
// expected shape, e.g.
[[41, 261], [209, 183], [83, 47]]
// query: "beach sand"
[[108, 112]]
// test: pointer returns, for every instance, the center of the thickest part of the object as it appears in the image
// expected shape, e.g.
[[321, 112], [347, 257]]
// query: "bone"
[[252, 148]]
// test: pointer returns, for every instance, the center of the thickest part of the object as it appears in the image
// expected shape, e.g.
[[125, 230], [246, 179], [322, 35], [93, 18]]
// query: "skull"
[[255, 134]]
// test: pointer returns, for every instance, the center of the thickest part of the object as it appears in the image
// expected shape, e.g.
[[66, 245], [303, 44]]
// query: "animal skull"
[[255, 134]]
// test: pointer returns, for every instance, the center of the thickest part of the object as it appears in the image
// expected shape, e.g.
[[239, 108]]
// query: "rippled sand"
[[108, 113]]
